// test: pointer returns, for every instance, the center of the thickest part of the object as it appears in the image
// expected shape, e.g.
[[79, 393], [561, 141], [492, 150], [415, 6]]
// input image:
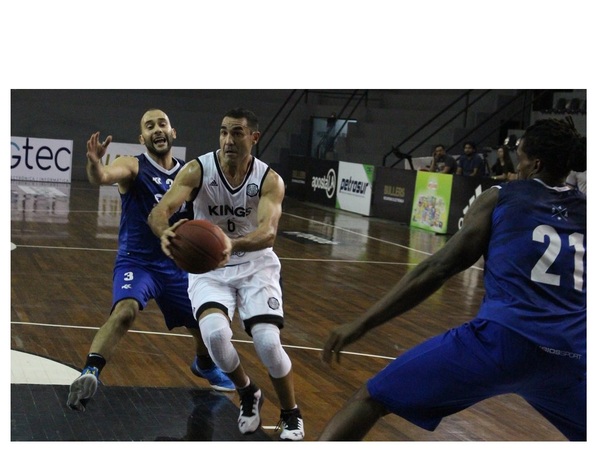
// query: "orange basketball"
[[198, 246]]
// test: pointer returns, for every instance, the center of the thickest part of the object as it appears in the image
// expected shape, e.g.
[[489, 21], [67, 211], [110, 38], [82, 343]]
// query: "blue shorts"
[[163, 281], [476, 361]]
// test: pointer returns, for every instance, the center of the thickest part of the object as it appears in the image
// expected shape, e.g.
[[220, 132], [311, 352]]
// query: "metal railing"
[[356, 97], [527, 96], [290, 105]]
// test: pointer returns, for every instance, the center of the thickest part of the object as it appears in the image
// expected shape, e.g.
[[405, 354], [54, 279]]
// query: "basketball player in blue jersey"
[[529, 336], [242, 195], [142, 271]]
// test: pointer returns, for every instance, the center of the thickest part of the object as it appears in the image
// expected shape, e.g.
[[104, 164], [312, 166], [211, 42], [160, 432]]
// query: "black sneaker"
[[291, 425], [251, 400]]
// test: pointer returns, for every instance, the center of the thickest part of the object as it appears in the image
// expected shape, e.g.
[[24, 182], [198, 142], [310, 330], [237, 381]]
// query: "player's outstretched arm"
[[121, 170], [181, 190], [460, 252]]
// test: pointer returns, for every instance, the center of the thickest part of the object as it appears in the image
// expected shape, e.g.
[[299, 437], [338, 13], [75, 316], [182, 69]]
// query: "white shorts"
[[253, 287]]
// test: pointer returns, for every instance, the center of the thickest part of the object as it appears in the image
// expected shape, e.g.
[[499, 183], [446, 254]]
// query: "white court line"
[[286, 258], [321, 260], [358, 233], [170, 334], [67, 248]]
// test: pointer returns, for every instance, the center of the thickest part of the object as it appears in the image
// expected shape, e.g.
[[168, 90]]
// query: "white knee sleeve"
[[216, 334], [269, 349]]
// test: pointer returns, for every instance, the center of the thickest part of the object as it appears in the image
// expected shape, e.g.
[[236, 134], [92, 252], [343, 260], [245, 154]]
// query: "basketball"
[[198, 246]]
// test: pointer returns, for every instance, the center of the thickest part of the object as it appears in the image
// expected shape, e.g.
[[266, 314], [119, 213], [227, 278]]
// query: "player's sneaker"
[[83, 388], [251, 400], [291, 425], [215, 377]]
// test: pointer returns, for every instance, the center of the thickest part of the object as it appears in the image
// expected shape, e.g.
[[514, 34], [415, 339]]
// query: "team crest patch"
[[273, 303], [252, 190]]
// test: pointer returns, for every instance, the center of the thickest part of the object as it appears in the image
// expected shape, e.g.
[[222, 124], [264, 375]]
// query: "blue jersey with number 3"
[[136, 239], [535, 266]]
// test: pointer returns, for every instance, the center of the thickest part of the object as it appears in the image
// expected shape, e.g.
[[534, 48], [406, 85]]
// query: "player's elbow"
[[269, 238], [94, 180]]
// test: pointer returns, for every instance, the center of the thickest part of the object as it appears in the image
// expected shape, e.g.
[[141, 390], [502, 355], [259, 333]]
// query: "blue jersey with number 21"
[[535, 266]]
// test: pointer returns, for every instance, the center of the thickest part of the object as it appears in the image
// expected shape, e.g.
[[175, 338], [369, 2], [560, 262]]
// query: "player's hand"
[[97, 149], [226, 251], [340, 338], [168, 235]]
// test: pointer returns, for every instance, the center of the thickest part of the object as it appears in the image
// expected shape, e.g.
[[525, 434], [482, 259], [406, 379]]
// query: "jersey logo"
[[252, 189], [157, 180], [214, 183], [228, 210], [273, 303], [559, 212]]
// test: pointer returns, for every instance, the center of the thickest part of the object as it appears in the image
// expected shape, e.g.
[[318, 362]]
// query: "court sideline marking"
[[170, 334]]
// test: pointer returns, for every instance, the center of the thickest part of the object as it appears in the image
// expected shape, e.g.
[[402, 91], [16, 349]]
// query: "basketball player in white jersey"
[[243, 196]]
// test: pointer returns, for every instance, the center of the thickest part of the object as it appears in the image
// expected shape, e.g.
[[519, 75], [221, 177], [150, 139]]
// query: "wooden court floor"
[[335, 264]]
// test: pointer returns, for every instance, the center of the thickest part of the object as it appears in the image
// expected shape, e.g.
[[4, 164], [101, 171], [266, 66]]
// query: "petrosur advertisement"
[[431, 204], [355, 187]]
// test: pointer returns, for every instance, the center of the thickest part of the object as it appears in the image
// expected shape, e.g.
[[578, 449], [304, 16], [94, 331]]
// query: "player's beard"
[[163, 148]]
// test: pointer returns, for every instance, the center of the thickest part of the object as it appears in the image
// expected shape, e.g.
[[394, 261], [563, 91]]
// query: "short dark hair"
[[439, 145], [242, 113], [557, 144], [471, 143]]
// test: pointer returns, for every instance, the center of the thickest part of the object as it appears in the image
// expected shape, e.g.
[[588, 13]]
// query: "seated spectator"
[[441, 162], [470, 163], [503, 168]]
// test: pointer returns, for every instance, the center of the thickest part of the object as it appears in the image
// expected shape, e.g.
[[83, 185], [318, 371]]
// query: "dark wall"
[[76, 114]]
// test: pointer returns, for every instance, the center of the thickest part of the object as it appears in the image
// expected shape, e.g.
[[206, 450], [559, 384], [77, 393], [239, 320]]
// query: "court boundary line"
[[171, 334], [327, 260]]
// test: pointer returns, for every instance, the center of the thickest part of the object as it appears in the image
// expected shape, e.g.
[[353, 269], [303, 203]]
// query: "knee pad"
[[269, 349], [216, 335]]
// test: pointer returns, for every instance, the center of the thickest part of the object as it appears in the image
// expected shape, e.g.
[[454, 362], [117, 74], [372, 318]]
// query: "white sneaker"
[[291, 424], [251, 400], [83, 388]]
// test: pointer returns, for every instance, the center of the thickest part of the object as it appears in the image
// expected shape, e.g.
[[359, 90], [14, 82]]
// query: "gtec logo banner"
[[40, 159]]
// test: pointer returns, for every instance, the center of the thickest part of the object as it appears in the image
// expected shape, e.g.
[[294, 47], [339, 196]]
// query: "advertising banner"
[[464, 192], [393, 194], [312, 180], [355, 187], [431, 203], [41, 159], [323, 181], [296, 177]]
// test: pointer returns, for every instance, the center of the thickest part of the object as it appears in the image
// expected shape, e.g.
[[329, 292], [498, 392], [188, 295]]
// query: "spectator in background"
[[441, 162], [578, 180], [470, 162], [329, 138], [503, 168]]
